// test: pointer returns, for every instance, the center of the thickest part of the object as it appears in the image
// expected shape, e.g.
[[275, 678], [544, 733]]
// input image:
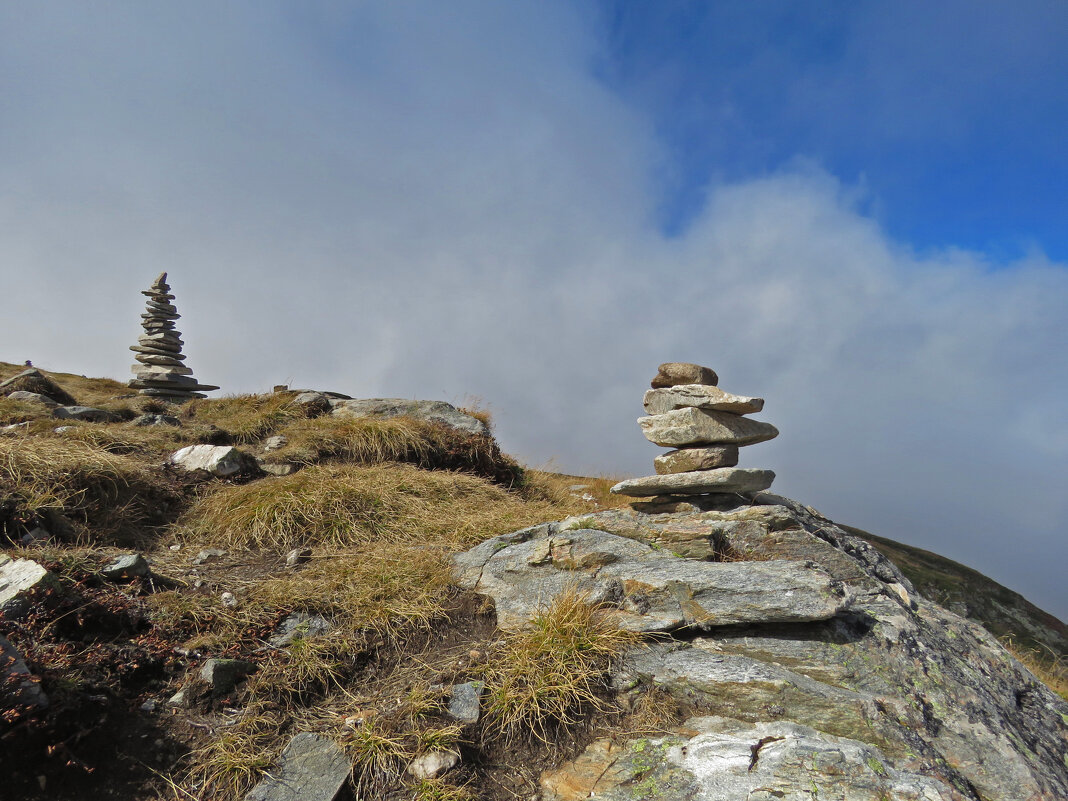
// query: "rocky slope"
[[807, 667]]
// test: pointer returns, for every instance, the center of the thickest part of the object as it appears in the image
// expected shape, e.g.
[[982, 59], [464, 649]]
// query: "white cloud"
[[446, 204]]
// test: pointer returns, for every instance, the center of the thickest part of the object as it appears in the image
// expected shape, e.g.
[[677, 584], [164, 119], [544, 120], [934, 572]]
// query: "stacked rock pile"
[[160, 371], [705, 426]]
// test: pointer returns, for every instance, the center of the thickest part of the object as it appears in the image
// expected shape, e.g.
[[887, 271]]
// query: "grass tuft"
[[244, 418], [108, 498], [1049, 667], [553, 673]]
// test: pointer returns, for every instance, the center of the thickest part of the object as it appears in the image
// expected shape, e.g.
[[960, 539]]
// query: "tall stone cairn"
[[705, 426], [160, 372]]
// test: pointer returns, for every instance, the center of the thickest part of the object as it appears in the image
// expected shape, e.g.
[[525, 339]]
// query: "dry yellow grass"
[[345, 505], [106, 495], [554, 672], [244, 418], [1048, 667]]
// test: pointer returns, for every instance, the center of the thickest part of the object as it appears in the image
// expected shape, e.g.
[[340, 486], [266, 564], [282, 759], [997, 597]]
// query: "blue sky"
[[853, 213], [950, 115]]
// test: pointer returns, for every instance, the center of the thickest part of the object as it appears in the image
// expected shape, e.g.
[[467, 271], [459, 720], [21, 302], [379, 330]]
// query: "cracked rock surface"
[[807, 665]]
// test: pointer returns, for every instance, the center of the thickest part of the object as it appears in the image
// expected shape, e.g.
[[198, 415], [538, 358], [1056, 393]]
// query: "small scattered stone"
[[223, 674], [156, 420], [35, 536], [219, 460], [149, 705], [279, 468], [275, 443], [33, 397], [464, 701], [84, 413], [432, 764], [311, 768], [671, 374], [207, 555], [299, 625], [16, 676], [63, 429], [18, 578], [228, 600], [126, 567], [298, 556]]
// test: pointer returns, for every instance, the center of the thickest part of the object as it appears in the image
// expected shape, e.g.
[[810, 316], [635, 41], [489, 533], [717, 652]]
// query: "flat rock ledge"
[[697, 482], [430, 411], [719, 758], [650, 589]]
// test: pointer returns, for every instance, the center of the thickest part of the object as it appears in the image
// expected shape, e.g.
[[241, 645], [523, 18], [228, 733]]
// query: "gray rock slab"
[[648, 589], [465, 701], [683, 460], [126, 567], [219, 460], [171, 395], [151, 358], [156, 420], [311, 768], [670, 374], [313, 403], [145, 371], [699, 396], [19, 578], [713, 758], [697, 482], [33, 397], [85, 413], [224, 674], [21, 689], [431, 411], [685, 427], [300, 625]]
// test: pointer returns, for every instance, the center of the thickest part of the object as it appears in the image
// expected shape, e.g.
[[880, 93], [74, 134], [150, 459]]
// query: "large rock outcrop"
[[867, 691]]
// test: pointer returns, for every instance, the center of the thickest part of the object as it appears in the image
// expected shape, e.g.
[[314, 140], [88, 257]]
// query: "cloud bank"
[[447, 203]]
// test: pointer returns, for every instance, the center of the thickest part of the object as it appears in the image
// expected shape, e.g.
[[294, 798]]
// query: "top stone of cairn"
[[671, 374]]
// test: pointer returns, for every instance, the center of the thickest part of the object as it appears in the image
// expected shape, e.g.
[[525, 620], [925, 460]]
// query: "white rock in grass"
[[432, 764], [219, 460]]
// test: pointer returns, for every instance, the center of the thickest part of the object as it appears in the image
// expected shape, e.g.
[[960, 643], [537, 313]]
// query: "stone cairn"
[[160, 372], [705, 426]]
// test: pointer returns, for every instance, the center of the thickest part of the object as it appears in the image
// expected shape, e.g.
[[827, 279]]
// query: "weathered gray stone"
[[298, 556], [17, 686], [684, 460], [697, 482], [279, 468], [19, 578], [313, 403], [431, 411], [713, 758], [649, 590], [126, 567], [465, 701], [156, 420], [432, 764], [223, 674], [699, 396], [300, 625], [33, 380], [311, 768], [219, 460], [274, 443], [85, 414], [145, 371], [207, 555], [685, 427], [33, 397], [671, 374]]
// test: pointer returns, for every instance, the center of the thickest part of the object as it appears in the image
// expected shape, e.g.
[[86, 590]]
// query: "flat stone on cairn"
[[705, 426], [160, 372]]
